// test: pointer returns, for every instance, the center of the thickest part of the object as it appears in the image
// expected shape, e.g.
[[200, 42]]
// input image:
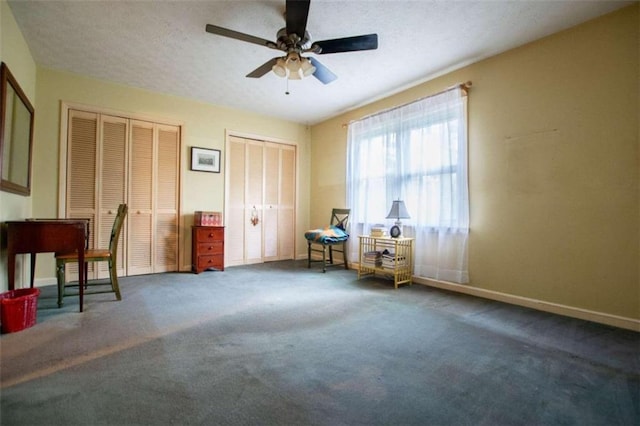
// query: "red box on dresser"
[[207, 218]]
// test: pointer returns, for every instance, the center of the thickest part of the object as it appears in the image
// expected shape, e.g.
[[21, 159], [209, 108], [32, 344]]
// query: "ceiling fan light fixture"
[[295, 75], [293, 62], [279, 68], [294, 40], [306, 67]]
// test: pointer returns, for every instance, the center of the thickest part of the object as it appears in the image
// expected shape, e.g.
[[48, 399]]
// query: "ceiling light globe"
[[307, 68], [279, 68], [295, 75]]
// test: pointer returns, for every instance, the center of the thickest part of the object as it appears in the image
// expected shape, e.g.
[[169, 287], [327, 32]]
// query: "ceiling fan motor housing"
[[292, 42]]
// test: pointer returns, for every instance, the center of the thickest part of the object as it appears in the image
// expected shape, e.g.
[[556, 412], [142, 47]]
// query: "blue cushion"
[[328, 235]]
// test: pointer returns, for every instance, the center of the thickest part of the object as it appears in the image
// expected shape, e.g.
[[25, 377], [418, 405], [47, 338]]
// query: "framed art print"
[[205, 160]]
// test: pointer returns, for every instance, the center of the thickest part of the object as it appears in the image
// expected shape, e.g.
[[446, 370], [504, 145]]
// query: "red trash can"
[[18, 309]]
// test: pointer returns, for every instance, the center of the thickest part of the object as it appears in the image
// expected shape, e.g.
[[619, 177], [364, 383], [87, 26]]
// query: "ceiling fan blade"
[[346, 44], [322, 73], [296, 13], [263, 69], [225, 32]]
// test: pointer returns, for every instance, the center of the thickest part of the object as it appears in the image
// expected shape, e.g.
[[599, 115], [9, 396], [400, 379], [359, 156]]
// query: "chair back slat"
[[117, 228], [340, 218]]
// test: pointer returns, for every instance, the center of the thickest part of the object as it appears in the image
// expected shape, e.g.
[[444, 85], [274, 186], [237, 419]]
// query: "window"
[[417, 153]]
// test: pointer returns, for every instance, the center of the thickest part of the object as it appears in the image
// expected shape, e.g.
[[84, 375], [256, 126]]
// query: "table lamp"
[[398, 211]]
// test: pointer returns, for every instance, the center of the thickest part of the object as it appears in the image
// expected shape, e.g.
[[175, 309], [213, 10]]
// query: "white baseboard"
[[555, 308]]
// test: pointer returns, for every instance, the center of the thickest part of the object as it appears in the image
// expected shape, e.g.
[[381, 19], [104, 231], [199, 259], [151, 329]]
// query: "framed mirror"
[[16, 135]]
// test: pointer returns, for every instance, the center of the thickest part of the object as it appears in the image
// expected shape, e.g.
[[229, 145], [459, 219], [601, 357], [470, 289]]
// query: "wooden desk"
[[44, 236]]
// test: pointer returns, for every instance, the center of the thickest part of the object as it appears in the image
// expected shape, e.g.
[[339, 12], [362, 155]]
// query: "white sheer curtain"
[[416, 153]]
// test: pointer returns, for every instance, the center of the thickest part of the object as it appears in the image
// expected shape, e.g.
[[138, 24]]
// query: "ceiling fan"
[[294, 40]]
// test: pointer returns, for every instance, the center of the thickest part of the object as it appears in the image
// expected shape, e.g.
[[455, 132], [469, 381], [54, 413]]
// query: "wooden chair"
[[109, 255], [334, 237]]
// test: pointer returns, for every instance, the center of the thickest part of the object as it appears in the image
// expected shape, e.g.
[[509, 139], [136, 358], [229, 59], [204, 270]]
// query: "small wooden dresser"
[[207, 248]]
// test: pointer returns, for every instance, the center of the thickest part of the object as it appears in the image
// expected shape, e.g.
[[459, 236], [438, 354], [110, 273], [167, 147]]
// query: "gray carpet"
[[278, 344]]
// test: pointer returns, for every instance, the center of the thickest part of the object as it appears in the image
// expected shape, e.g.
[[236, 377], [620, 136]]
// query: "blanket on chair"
[[327, 235]]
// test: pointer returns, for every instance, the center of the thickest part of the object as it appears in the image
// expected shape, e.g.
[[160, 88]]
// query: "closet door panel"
[[270, 233], [81, 163], [166, 235], [286, 233], [234, 220], [253, 202], [113, 186], [141, 194], [82, 148], [271, 191], [286, 207], [288, 176], [166, 242], [139, 252]]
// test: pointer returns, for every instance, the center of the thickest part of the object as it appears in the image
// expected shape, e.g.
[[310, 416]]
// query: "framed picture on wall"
[[205, 160]]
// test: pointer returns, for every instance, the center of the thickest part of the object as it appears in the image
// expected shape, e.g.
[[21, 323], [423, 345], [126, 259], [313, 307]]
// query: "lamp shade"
[[398, 211]]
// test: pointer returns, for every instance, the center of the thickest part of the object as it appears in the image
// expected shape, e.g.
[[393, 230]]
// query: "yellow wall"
[[204, 126], [15, 53], [553, 166]]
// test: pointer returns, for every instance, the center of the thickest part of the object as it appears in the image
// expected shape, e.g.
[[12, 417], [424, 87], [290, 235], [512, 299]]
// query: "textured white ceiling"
[[162, 45]]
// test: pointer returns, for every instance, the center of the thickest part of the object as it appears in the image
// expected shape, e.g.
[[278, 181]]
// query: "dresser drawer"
[[215, 247], [211, 261], [207, 248], [204, 235]]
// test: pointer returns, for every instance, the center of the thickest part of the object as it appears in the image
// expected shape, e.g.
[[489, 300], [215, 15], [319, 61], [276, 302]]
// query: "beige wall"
[[553, 167], [15, 53]]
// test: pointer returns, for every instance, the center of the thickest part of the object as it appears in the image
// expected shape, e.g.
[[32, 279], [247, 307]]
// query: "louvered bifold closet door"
[[234, 219], [141, 194], [260, 201], [287, 201], [113, 186], [81, 188], [166, 217]]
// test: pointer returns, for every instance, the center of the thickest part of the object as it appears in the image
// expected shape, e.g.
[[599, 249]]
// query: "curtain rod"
[[463, 86]]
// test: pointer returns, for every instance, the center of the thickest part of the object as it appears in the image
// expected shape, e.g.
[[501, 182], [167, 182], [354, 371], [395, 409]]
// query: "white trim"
[[62, 158], [256, 137], [66, 106], [541, 305]]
